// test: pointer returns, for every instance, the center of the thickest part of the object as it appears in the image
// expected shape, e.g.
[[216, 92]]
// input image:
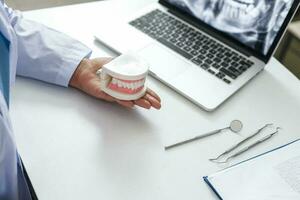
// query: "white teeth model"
[[124, 77], [248, 1], [238, 8]]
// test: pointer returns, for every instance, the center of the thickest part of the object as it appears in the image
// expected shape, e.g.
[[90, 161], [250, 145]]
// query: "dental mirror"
[[235, 126]]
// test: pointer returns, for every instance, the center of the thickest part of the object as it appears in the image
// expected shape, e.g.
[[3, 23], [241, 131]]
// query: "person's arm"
[[43, 53], [48, 55]]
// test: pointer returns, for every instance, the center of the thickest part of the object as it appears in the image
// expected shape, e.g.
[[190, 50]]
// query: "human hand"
[[86, 80]]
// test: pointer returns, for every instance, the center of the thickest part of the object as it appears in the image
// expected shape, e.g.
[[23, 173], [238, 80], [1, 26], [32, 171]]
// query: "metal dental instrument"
[[235, 126], [240, 143], [250, 146]]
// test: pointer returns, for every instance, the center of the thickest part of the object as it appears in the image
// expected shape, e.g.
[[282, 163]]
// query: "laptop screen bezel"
[[229, 40]]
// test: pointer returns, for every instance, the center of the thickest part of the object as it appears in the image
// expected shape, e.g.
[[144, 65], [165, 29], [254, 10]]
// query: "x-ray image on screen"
[[255, 23]]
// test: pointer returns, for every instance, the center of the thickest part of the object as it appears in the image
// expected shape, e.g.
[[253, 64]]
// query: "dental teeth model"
[[124, 77]]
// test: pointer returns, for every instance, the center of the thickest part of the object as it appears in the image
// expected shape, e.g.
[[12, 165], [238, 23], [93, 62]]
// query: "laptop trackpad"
[[163, 62]]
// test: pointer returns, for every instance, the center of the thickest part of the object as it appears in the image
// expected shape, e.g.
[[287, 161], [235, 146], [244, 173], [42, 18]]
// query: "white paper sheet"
[[272, 176]]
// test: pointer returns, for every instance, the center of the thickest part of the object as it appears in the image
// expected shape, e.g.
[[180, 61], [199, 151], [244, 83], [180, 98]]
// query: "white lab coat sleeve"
[[43, 53]]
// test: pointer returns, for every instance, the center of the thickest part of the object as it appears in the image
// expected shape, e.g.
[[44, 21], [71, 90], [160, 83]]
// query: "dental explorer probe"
[[240, 143], [235, 126], [250, 146]]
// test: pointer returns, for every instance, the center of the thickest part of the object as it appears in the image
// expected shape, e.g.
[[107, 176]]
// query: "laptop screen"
[[255, 23]]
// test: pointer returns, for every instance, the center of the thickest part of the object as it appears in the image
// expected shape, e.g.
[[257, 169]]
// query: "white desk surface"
[[76, 147]]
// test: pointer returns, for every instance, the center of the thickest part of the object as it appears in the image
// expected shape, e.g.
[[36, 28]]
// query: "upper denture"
[[126, 86]]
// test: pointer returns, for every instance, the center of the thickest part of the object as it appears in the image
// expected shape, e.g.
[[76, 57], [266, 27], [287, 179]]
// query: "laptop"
[[205, 50]]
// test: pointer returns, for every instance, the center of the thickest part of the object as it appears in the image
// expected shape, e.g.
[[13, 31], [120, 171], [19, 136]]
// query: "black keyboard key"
[[192, 40], [213, 51], [197, 61], [154, 29], [250, 62], [195, 47], [228, 54], [178, 31], [235, 58], [181, 39], [211, 71], [152, 34], [243, 69], [202, 57], [208, 61], [217, 60], [199, 42], [205, 47], [168, 31], [234, 64], [220, 75], [133, 23], [210, 55], [187, 49], [234, 54], [204, 66], [244, 63], [228, 73], [167, 36], [216, 66], [180, 44], [226, 81], [188, 43], [227, 60], [173, 40], [203, 51], [175, 48], [220, 55], [194, 53], [234, 71], [224, 64], [160, 33]]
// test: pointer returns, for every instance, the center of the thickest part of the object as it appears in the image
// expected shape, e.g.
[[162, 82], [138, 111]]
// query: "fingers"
[[106, 97], [102, 95], [152, 93], [153, 100], [143, 103], [127, 104], [150, 99], [146, 102]]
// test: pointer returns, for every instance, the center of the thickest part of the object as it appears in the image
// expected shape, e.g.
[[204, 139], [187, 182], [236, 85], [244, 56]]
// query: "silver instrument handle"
[[252, 145], [194, 139]]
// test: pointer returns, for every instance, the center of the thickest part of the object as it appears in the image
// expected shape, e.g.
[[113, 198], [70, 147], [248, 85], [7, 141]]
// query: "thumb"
[[97, 63]]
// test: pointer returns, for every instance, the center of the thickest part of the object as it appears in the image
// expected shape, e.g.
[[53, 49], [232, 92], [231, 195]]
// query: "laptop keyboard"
[[203, 51]]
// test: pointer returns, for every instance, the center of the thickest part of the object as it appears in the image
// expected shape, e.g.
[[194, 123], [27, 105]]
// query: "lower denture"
[[116, 88]]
